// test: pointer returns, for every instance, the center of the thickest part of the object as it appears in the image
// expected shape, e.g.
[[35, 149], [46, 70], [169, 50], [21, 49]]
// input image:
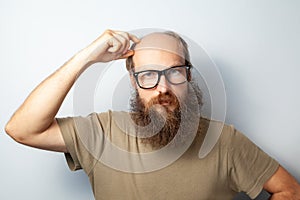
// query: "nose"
[[163, 85]]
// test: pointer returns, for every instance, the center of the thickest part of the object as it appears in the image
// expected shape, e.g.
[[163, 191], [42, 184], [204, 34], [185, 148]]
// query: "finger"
[[123, 38], [114, 45], [130, 36], [127, 54], [134, 38], [126, 36]]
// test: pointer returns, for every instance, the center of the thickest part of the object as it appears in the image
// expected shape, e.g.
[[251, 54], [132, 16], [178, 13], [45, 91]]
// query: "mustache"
[[168, 97]]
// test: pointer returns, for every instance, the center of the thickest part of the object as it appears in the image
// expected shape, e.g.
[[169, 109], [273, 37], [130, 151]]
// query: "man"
[[151, 152]]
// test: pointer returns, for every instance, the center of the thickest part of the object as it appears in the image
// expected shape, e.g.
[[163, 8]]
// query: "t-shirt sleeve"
[[83, 137], [68, 131], [249, 166]]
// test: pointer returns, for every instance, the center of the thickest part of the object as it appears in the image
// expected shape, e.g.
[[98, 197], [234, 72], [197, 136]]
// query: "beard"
[[158, 125]]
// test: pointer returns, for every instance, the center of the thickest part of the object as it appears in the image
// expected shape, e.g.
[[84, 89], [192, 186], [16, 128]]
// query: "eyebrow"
[[161, 67]]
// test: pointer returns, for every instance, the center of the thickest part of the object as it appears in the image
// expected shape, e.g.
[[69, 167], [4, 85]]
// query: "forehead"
[[156, 59], [158, 49]]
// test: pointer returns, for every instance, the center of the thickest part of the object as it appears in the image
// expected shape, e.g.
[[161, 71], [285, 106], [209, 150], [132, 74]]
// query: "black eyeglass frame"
[[187, 66]]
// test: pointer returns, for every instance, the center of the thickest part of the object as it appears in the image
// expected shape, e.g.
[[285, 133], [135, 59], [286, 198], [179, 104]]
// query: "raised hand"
[[111, 45]]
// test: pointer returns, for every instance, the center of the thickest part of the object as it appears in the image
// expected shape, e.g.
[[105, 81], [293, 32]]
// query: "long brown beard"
[[157, 125]]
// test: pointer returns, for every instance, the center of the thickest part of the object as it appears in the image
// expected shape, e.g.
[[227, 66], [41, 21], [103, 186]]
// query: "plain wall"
[[255, 45]]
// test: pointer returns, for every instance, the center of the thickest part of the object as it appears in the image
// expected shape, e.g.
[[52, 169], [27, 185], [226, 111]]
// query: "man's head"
[[160, 74], [160, 51]]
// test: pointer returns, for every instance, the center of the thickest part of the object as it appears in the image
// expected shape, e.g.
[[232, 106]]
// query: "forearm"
[[291, 192], [37, 112], [283, 185]]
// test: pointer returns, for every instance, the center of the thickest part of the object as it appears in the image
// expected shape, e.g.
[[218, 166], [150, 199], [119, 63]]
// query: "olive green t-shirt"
[[119, 166]]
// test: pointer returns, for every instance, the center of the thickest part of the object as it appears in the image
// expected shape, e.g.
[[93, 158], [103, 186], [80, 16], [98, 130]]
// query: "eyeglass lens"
[[150, 78]]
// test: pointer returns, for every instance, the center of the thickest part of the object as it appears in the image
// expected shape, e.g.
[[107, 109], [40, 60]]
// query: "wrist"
[[81, 61]]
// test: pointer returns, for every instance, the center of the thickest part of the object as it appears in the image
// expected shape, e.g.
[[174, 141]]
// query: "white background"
[[255, 45]]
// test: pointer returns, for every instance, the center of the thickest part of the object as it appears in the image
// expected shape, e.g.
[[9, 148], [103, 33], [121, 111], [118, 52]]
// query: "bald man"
[[152, 151]]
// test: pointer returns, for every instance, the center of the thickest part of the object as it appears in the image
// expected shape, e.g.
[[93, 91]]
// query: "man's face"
[[159, 52], [164, 109]]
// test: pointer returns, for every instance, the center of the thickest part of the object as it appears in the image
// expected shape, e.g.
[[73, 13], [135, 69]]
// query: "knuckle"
[[107, 31], [125, 35]]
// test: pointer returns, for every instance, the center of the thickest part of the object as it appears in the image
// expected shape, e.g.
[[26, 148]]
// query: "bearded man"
[[152, 151]]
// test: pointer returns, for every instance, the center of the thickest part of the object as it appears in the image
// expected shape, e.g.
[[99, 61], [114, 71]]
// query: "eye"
[[175, 71], [148, 74]]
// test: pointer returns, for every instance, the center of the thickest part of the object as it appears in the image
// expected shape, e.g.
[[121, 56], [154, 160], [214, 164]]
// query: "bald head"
[[159, 42]]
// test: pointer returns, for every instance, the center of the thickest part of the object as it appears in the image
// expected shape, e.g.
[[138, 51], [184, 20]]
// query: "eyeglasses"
[[149, 79]]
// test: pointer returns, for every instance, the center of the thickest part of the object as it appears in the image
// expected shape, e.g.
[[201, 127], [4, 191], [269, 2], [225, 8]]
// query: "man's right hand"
[[34, 123], [111, 45]]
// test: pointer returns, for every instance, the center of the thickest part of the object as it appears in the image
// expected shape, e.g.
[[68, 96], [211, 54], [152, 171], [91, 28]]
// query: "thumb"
[[127, 54]]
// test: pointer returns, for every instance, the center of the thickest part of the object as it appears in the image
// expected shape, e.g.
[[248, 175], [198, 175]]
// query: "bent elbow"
[[10, 129]]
